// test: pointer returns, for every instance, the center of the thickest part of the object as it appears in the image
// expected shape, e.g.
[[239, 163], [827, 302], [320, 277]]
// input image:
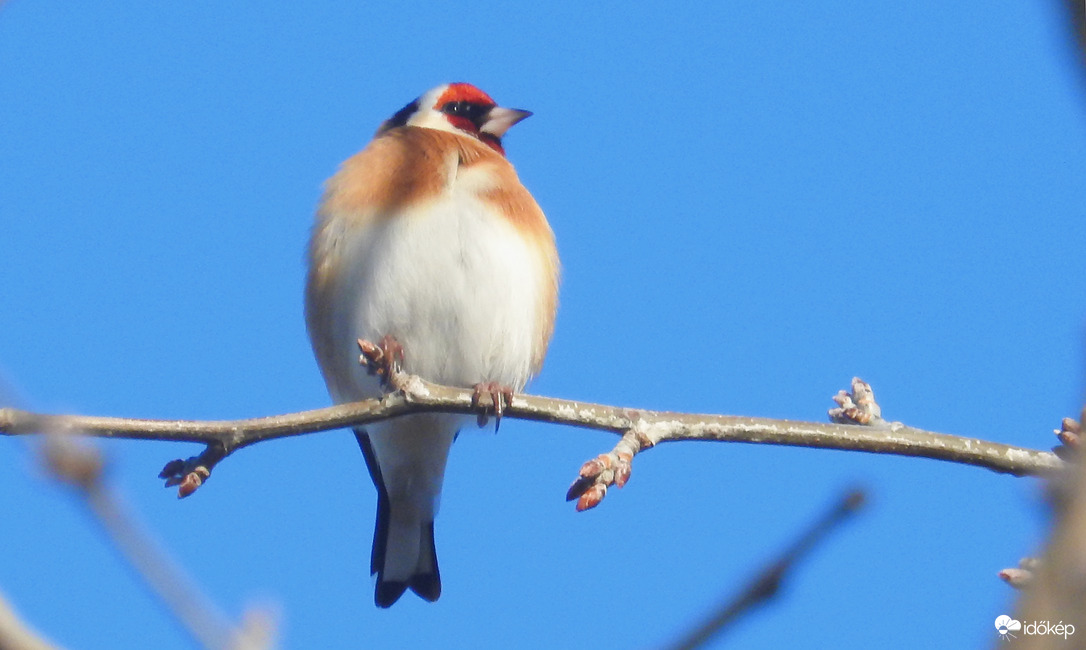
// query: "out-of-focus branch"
[[1054, 586], [1076, 19], [82, 468], [767, 583], [414, 395], [1056, 592], [15, 635]]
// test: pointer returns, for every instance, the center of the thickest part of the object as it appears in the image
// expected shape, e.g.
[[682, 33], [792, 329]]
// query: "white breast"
[[456, 284]]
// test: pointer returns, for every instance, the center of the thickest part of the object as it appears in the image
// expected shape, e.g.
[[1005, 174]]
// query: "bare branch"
[[1076, 15], [14, 633], [767, 583], [1057, 585], [82, 467], [414, 395]]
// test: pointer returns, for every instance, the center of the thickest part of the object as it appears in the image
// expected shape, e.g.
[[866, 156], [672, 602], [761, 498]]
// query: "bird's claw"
[[500, 398]]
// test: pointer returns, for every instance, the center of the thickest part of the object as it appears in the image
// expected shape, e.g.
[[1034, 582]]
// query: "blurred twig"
[[1057, 587], [15, 635], [81, 467], [767, 583], [1076, 15]]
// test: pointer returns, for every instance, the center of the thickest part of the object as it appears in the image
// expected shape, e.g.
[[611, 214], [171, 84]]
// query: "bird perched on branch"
[[427, 242]]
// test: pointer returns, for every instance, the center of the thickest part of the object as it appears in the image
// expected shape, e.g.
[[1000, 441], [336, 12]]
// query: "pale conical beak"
[[499, 119]]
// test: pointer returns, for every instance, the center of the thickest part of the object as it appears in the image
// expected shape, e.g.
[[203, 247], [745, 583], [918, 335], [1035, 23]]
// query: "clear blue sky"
[[754, 201]]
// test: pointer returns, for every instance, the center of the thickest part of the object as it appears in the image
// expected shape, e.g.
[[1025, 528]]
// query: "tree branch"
[[767, 584], [1057, 583], [83, 468], [15, 634], [412, 394]]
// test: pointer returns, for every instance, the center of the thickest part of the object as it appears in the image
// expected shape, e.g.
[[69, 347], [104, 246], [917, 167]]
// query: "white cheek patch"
[[431, 119]]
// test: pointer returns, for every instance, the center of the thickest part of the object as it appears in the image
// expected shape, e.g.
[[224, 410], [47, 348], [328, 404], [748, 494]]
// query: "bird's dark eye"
[[456, 108], [466, 109]]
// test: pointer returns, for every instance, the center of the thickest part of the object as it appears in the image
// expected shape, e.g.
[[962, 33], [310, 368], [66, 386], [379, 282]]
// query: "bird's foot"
[[499, 397], [382, 360]]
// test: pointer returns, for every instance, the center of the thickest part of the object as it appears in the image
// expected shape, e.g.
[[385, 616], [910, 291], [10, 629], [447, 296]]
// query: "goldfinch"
[[427, 237]]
